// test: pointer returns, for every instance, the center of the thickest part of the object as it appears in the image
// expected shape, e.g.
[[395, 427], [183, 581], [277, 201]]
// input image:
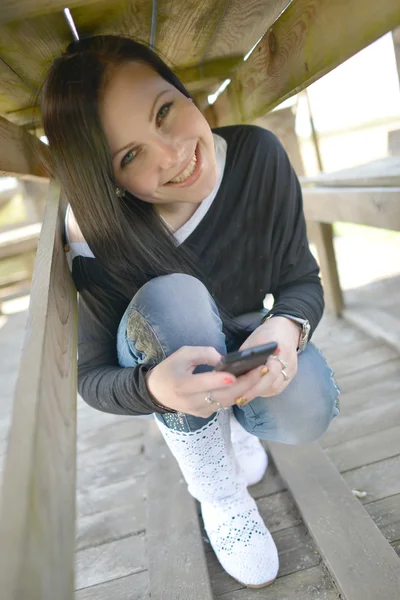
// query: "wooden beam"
[[376, 207], [37, 529], [173, 531], [21, 154], [359, 558], [396, 44], [12, 10], [214, 69], [309, 39]]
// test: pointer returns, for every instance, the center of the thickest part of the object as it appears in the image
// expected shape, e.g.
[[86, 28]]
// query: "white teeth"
[[187, 172]]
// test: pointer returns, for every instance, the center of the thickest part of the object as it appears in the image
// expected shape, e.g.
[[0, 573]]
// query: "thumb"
[[199, 355]]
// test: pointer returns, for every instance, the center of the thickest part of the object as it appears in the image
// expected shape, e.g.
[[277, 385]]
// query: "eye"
[[128, 158], [162, 113]]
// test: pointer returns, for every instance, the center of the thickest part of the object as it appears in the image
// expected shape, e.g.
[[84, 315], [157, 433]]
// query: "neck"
[[176, 214]]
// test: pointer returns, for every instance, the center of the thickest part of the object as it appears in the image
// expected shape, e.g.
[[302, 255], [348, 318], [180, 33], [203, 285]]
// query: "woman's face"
[[162, 146]]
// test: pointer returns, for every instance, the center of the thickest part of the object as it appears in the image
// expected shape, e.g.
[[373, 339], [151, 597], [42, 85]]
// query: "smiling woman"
[[175, 235]]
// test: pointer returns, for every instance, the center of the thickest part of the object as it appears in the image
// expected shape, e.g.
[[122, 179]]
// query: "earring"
[[120, 192]]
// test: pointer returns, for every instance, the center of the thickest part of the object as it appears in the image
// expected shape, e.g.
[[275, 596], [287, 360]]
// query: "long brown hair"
[[126, 235]]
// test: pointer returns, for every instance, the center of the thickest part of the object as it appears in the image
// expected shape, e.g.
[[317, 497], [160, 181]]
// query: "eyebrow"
[[130, 144]]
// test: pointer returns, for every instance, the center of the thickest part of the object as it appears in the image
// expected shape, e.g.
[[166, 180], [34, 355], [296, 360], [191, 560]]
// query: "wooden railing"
[[37, 519]]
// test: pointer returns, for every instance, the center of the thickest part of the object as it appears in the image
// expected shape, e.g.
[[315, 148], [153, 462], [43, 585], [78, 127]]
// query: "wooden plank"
[[296, 552], [310, 584], [361, 561], [38, 504], [386, 515], [20, 152], [183, 33], [244, 22], [176, 560], [386, 326], [30, 45], [379, 480], [384, 172], [131, 587], [110, 561], [301, 47], [377, 207], [13, 10], [364, 422], [19, 241], [111, 525], [93, 500], [366, 449]]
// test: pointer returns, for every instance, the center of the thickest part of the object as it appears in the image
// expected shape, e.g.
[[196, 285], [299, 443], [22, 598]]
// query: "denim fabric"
[[176, 310]]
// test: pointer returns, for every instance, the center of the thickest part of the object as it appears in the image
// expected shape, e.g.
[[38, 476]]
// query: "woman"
[[177, 233]]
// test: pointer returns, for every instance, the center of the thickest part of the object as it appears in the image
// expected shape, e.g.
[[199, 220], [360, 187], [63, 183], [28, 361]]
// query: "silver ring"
[[283, 362], [208, 399], [285, 375], [219, 406]]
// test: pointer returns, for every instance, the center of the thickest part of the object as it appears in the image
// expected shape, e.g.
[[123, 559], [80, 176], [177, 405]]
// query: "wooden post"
[[37, 520], [282, 123]]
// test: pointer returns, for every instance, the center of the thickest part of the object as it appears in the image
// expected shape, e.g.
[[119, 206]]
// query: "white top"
[[81, 248]]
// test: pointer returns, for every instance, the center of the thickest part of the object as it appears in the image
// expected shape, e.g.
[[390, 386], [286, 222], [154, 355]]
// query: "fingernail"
[[264, 371], [228, 380], [241, 401]]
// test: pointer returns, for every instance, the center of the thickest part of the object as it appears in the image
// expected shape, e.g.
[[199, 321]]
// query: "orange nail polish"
[[264, 371], [228, 380]]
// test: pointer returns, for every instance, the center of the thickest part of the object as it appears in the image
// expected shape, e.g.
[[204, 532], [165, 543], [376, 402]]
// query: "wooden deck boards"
[[113, 462]]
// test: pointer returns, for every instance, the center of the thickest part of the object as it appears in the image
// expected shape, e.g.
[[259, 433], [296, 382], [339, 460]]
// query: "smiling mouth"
[[190, 169]]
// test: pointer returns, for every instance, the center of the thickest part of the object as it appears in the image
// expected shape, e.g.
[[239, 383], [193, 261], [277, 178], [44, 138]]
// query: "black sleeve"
[[296, 285], [102, 383]]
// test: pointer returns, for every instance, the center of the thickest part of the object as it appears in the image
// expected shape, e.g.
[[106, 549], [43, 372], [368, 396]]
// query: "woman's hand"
[[172, 383], [286, 333]]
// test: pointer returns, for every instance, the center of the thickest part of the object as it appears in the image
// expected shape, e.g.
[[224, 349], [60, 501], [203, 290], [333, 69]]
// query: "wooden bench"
[[366, 195]]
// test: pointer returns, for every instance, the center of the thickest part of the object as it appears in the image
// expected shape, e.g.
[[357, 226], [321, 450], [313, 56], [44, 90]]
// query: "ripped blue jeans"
[[177, 310]]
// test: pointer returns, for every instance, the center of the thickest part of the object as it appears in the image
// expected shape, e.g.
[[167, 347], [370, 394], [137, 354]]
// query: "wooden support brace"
[[321, 234], [21, 154]]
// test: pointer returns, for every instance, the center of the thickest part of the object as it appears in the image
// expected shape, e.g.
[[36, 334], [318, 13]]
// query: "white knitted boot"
[[237, 533], [249, 452]]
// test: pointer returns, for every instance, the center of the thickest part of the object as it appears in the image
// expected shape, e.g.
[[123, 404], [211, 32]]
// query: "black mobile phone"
[[243, 361]]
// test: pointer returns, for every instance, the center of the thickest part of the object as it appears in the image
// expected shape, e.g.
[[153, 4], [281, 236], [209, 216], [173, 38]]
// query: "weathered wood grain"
[[110, 561], [359, 558], [386, 514], [376, 207], [129, 491], [177, 565], [111, 525], [183, 31], [38, 504], [382, 416], [20, 152], [379, 480], [386, 326], [366, 449], [384, 172], [244, 22], [301, 47], [130, 587], [310, 584]]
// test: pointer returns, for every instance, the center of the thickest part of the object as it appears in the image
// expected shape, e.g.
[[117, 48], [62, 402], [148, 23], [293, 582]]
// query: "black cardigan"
[[252, 241]]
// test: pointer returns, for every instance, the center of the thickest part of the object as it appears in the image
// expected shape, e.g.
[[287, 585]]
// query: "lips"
[[186, 172]]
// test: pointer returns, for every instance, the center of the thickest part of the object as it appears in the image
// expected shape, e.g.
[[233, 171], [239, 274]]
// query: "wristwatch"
[[304, 324]]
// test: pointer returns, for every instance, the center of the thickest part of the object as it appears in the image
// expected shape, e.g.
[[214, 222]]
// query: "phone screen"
[[243, 361]]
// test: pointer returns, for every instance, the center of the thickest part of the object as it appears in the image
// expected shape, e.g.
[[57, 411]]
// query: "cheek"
[[141, 184]]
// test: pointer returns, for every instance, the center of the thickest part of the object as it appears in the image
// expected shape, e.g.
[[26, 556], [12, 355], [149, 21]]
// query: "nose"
[[170, 154]]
